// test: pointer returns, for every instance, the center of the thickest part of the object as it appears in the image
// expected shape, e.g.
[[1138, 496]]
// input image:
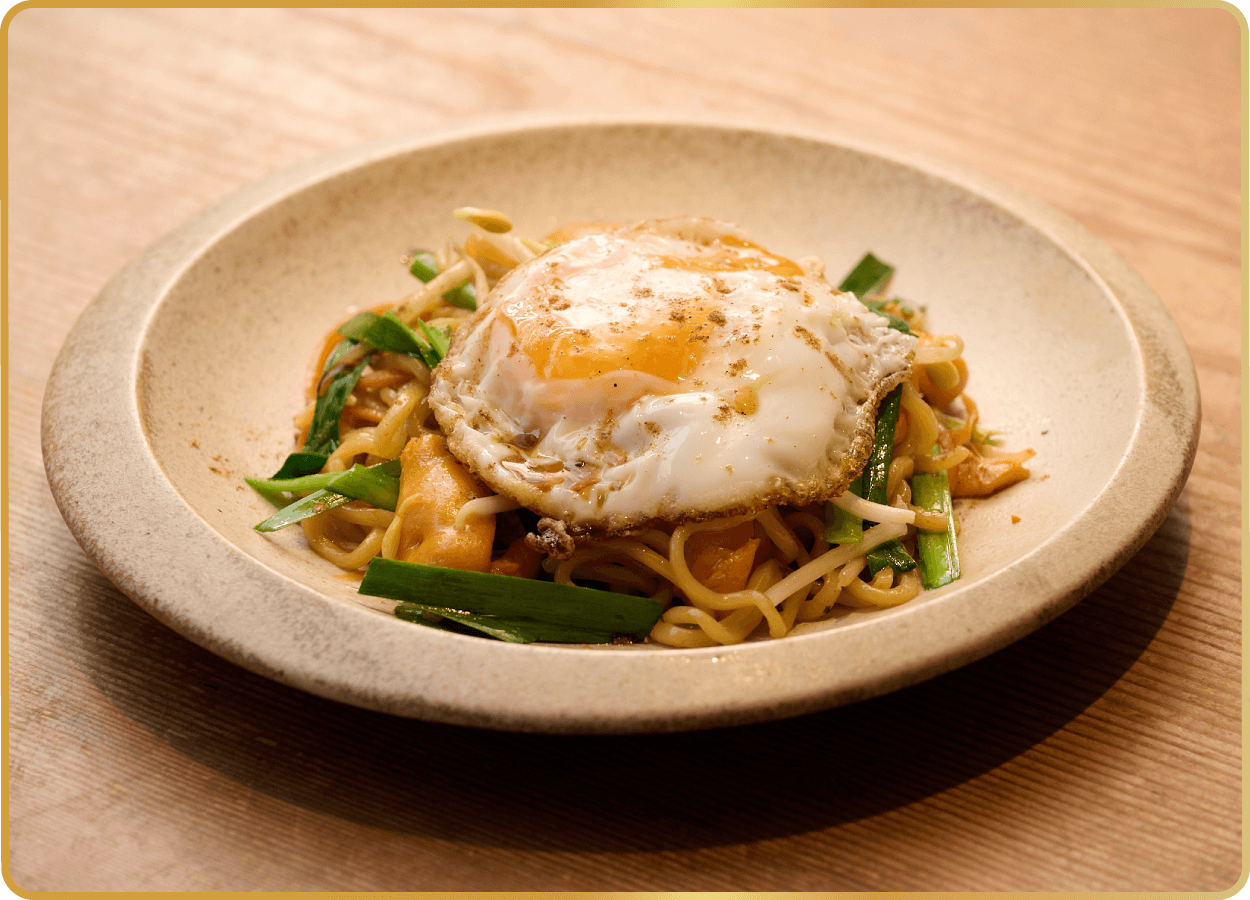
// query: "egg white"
[[665, 372]]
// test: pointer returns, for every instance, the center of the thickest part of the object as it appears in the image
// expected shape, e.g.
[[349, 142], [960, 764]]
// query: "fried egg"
[[668, 371]]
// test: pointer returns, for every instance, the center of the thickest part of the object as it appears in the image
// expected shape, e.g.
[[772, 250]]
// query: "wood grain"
[[1101, 753]]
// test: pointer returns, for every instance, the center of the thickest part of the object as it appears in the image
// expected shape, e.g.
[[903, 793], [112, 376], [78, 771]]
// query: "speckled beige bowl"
[[183, 375]]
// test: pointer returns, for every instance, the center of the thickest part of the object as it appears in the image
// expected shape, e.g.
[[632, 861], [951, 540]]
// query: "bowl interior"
[[228, 349]]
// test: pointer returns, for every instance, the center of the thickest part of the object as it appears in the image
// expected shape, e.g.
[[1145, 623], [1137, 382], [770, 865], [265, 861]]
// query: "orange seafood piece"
[[519, 560], [432, 488], [979, 476], [723, 560]]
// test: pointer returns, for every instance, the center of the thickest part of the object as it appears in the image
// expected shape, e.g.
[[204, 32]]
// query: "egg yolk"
[[614, 305]]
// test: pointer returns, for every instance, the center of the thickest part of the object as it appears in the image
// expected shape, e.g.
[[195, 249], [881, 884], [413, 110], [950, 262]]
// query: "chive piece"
[[296, 465], [425, 267], [376, 485], [877, 472], [302, 484], [341, 349], [509, 599], [300, 463], [438, 338], [842, 527], [323, 435], [311, 505], [273, 498], [389, 332], [891, 554], [878, 306], [514, 631], [869, 276], [876, 480], [938, 552], [426, 616]]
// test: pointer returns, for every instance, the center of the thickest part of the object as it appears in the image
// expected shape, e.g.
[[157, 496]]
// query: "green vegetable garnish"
[[425, 267], [388, 332], [323, 434], [297, 464], [876, 481], [438, 338], [312, 505], [842, 527], [939, 555], [878, 306], [376, 485], [528, 610], [514, 631], [870, 276]]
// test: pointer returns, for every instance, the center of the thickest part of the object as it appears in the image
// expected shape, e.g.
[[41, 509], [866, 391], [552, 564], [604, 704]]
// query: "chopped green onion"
[[543, 609], [425, 267], [312, 505], [323, 434], [869, 276], [876, 482], [427, 616], [298, 464], [878, 306], [842, 527], [388, 332], [514, 631], [877, 472], [938, 552], [341, 349], [302, 484], [439, 339], [376, 485], [891, 554]]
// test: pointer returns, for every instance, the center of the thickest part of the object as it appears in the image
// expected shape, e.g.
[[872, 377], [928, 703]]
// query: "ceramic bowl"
[[182, 377]]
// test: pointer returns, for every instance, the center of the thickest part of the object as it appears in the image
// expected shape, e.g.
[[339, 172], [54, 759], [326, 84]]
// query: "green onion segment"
[[876, 480], [388, 332], [527, 609], [323, 434], [938, 552], [869, 276], [376, 485], [296, 465], [425, 267], [312, 505], [878, 306], [842, 527]]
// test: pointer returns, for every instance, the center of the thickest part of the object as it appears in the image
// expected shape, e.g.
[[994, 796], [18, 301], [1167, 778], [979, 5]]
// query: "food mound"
[[659, 432]]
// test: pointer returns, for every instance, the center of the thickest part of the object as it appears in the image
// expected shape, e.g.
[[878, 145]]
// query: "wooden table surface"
[[1103, 752]]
